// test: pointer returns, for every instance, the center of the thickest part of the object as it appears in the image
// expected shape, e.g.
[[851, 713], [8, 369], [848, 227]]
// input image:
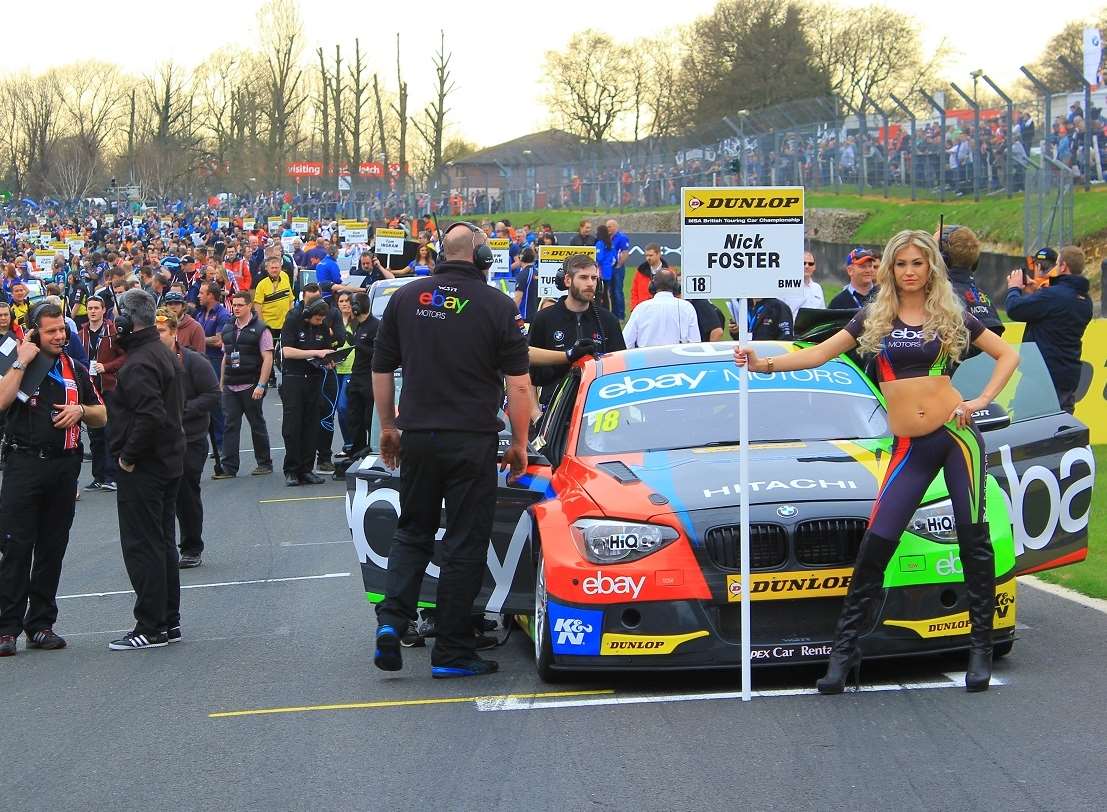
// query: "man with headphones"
[[38, 495], [456, 338], [306, 340], [572, 328], [961, 251], [359, 391], [663, 319]]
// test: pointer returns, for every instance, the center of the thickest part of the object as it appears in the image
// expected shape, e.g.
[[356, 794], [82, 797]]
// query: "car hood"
[[704, 478]]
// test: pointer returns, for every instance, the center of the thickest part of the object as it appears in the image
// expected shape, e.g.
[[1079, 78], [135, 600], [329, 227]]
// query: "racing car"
[[618, 548]]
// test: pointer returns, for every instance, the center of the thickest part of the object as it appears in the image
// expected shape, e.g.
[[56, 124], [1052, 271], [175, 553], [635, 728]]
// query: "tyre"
[[540, 623], [1000, 650]]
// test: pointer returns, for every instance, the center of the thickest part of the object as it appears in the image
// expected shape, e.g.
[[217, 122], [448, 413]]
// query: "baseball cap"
[[187, 259], [1046, 255], [859, 255], [173, 297]]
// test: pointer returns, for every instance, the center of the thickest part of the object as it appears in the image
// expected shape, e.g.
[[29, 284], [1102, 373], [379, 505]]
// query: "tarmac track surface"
[[276, 621]]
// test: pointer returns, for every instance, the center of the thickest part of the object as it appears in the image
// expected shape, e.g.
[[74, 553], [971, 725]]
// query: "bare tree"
[[359, 88], [35, 131], [89, 95], [872, 51], [1069, 43], [337, 88], [282, 44], [381, 132], [400, 109], [323, 110], [217, 79], [73, 169], [433, 131], [587, 91]]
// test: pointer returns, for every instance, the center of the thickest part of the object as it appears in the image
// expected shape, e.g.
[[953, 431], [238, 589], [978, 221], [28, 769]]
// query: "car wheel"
[[1000, 650], [543, 650]]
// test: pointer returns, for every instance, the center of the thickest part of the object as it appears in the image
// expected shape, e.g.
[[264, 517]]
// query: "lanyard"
[[751, 318]]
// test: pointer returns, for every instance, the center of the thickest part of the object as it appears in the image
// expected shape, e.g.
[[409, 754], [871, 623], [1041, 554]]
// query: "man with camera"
[[38, 496], [572, 328], [1056, 317], [148, 440]]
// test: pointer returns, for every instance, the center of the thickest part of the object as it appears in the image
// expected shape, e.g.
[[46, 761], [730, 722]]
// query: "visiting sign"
[[551, 261], [60, 248], [389, 241], [501, 258], [248, 223], [274, 224], [45, 262], [741, 242], [300, 225]]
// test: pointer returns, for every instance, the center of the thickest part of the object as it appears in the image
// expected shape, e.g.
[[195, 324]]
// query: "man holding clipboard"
[[46, 395]]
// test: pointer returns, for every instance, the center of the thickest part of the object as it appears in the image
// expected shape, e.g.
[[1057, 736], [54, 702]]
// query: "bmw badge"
[[787, 511]]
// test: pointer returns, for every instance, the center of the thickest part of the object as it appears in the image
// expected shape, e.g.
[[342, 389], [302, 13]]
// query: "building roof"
[[548, 147]]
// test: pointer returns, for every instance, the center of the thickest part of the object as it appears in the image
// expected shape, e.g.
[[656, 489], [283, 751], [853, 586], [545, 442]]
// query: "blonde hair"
[[944, 315]]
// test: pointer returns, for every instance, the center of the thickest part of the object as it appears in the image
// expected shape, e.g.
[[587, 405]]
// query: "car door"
[[1042, 461]]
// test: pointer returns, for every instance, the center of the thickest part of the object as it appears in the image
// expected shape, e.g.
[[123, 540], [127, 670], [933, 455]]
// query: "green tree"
[[1069, 43]]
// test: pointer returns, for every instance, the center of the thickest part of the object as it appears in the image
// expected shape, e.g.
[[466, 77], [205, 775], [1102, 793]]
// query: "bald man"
[[456, 339]]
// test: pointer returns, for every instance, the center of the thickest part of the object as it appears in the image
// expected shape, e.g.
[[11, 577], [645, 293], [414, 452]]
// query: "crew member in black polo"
[[305, 341], [38, 494], [456, 338], [359, 390]]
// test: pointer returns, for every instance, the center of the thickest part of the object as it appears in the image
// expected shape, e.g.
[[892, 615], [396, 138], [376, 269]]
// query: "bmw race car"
[[619, 547]]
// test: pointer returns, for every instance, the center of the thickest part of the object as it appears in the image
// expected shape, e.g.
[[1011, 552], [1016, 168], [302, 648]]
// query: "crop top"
[[904, 352]]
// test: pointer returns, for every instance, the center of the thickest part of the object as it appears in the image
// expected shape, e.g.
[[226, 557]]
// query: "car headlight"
[[935, 522], [607, 541]]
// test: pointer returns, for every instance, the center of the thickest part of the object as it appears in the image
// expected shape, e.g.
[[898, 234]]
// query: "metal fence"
[[1048, 209], [823, 144]]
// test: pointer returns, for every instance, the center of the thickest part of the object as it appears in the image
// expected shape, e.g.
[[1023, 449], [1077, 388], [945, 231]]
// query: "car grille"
[[829, 541], [768, 546]]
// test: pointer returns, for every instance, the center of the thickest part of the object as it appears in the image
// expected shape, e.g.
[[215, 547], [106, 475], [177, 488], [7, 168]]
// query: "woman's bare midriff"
[[918, 406]]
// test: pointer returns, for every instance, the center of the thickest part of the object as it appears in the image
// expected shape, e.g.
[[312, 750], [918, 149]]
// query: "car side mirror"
[[991, 417]]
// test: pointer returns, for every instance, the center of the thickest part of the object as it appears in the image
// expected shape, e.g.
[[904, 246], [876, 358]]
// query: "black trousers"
[[460, 467], [235, 405], [300, 421], [324, 437], [147, 506], [190, 508], [359, 411], [37, 502]]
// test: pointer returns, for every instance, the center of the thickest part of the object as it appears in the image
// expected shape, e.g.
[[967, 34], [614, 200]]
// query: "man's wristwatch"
[[17, 365], [261, 386]]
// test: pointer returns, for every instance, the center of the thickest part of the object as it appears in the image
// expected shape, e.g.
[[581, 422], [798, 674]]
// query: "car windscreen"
[[692, 405], [1027, 395]]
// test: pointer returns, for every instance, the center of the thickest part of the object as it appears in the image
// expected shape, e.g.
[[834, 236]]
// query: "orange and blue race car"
[[619, 547]]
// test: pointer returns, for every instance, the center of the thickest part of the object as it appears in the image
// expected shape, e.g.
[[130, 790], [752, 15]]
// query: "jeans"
[[460, 467], [343, 419], [236, 404], [618, 304], [147, 506], [217, 409]]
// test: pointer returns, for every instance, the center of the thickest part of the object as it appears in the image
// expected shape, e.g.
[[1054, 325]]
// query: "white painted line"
[[496, 703], [1064, 592], [222, 583], [312, 543]]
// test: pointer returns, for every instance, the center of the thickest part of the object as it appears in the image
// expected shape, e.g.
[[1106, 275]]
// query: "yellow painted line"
[[300, 499], [403, 703]]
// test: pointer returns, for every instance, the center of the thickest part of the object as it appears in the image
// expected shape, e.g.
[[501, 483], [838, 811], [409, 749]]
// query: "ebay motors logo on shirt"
[[444, 298]]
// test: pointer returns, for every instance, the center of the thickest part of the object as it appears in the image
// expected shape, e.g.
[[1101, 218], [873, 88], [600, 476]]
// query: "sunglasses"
[[812, 264]]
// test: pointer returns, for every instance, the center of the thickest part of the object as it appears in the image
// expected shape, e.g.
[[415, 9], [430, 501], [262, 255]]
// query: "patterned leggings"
[[958, 453]]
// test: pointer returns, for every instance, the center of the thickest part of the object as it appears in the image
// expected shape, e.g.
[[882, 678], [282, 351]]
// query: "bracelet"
[[82, 410], [262, 385], [769, 363]]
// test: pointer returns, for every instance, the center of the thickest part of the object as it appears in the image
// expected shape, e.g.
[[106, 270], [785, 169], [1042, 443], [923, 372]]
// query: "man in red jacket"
[[640, 287], [98, 336], [189, 332]]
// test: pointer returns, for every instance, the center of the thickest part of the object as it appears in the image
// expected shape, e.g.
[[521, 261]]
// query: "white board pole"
[[740, 309]]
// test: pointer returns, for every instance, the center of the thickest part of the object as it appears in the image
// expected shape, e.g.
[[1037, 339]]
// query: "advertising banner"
[[389, 241]]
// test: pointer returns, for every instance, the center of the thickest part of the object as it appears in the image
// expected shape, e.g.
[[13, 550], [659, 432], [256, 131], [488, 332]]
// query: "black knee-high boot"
[[865, 589], [978, 564]]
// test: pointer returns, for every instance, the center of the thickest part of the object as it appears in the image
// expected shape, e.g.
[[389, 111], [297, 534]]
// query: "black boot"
[[978, 564], [865, 588]]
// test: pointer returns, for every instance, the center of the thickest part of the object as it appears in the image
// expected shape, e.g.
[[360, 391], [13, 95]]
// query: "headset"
[[482, 254], [676, 292], [653, 287], [359, 304]]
